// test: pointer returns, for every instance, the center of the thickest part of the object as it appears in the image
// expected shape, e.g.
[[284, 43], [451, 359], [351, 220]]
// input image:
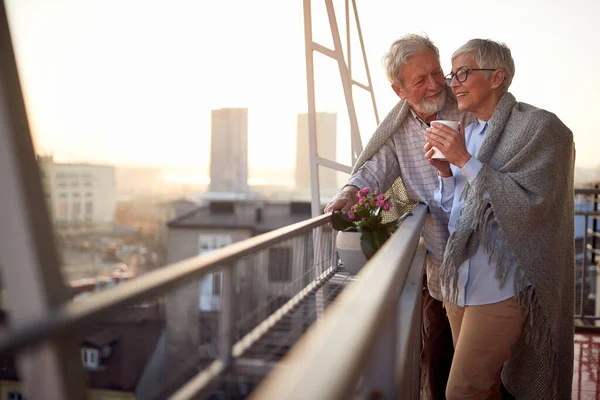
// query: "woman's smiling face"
[[476, 93]]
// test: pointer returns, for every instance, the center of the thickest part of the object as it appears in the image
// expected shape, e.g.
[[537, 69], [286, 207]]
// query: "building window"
[[217, 278], [76, 210], [207, 243], [62, 195], [76, 194], [280, 264], [14, 395], [88, 194], [90, 358], [89, 208], [210, 285], [63, 210], [75, 184], [87, 184]]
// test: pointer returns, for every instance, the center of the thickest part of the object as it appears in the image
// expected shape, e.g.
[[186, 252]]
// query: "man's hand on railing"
[[344, 200]]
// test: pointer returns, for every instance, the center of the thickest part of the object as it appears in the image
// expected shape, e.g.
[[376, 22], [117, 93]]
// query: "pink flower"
[[386, 206], [351, 216], [365, 190], [364, 219], [380, 197]]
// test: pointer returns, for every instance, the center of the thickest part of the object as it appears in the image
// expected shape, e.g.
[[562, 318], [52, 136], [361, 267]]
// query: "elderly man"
[[394, 157]]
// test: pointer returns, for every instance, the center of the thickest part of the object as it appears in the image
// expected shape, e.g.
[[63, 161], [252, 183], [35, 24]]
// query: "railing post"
[[596, 208], [583, 266], [319, 268], [227, 322], [30, 264]]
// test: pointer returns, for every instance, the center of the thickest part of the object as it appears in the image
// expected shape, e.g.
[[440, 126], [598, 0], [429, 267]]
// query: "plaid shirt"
[[403, 155]]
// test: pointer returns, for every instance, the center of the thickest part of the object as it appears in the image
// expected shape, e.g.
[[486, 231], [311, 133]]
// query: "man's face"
[[422, 83]]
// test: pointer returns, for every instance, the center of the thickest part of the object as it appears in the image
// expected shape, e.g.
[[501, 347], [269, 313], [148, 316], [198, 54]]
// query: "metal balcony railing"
[[368, 345], [587, 225], [252, 330], [250, 342]]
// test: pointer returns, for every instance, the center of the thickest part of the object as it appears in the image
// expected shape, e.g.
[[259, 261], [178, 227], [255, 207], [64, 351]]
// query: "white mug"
[[437, 154]]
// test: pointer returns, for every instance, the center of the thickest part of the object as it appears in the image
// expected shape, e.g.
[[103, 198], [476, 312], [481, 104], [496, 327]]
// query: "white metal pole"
[[311, 117], [346, 82], [364, 54]]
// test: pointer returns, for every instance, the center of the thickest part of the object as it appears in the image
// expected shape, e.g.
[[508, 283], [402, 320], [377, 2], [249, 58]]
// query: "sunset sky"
[[133, 81]]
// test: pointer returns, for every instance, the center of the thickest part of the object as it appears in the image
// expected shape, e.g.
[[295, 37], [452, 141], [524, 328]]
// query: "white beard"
[[428, 108]]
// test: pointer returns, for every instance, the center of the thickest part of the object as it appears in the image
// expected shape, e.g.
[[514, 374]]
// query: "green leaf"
[[372, 241], [390, 224], [390, 227], [368, 244], [341, 222]]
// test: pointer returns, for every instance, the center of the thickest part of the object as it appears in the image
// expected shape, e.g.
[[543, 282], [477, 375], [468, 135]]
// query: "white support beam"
[[364, 54], [323, 50], [345, 71], [333, 165], [346, 81], [309, 46], [362, 86]]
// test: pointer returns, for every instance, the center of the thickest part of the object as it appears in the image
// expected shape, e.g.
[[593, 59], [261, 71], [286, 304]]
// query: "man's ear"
[[398, 90], [498, 78]]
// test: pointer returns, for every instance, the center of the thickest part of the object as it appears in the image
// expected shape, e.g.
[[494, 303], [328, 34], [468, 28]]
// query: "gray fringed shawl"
[[528, 158], [384, 131]]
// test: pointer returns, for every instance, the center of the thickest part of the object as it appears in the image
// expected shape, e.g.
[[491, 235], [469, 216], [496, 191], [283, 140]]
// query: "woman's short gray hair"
[[490, 54], [401, 51]]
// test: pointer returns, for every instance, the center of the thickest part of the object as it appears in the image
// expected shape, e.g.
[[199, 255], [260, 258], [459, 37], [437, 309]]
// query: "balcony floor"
[[586, 372]]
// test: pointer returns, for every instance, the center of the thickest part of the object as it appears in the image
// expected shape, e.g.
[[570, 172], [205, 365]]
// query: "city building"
[[267, 278], [80, 197], [326, 148], [122, 355], [229, 150]]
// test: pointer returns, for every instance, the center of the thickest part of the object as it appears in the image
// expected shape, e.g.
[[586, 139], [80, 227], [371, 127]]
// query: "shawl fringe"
[[537, 331]]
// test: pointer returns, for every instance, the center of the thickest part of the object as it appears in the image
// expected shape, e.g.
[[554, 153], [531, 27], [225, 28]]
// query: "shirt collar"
[[481, 126], [417, 117]]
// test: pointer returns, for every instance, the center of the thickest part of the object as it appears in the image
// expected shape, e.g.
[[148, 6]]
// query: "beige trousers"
[[483, 337]]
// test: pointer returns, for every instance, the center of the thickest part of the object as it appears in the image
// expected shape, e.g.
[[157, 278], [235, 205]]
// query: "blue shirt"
[[477, 283]]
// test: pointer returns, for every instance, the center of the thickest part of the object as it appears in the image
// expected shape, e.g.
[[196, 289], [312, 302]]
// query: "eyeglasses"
[[463, 73]]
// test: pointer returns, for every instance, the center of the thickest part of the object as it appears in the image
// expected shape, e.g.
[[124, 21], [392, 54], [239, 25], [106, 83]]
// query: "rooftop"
[[258, 216]]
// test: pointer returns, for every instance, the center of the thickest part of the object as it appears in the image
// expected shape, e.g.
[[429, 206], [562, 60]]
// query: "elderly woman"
[[507, 274]]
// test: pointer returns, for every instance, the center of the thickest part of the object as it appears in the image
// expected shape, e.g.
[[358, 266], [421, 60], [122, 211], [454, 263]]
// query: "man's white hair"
[[401, 51]]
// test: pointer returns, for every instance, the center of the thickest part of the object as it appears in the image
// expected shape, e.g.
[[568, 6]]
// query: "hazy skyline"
[[133, 82]]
